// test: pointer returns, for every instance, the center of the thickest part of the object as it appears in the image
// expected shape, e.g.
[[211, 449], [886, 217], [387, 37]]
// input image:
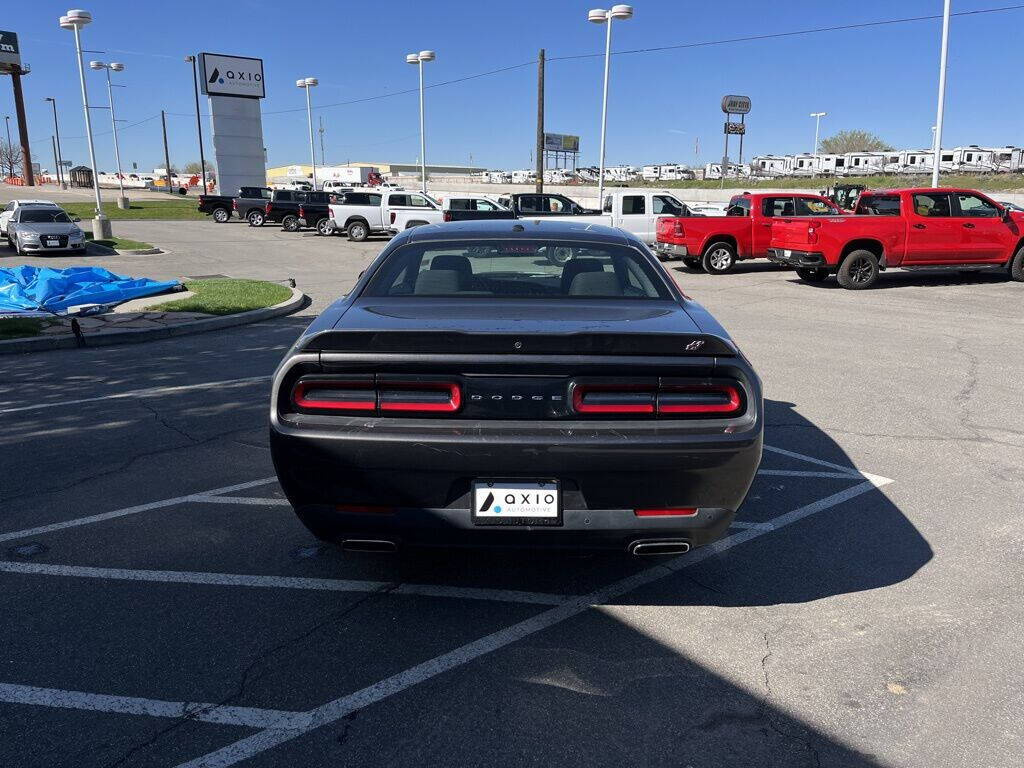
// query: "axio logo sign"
[[10, 56], [232, 76]]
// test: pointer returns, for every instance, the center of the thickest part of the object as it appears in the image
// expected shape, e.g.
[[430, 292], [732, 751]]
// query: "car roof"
[[35, 202], [922, 191], [520, 228]]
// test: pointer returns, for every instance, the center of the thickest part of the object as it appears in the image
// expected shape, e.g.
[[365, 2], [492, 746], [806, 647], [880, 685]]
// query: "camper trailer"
[[864, 163], [769, 166]]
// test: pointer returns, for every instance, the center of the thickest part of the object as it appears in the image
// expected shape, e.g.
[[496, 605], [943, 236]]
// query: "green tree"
[[195, 167], [852, 141]]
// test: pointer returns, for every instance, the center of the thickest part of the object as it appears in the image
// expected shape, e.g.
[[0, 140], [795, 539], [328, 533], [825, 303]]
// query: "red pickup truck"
[[924, 228], [716, 243]]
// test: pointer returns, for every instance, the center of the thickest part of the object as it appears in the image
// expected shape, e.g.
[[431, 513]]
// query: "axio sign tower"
[[234, 85]]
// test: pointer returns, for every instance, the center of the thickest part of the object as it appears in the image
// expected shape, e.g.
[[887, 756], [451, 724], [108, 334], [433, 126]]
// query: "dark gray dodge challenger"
[[516, 384]]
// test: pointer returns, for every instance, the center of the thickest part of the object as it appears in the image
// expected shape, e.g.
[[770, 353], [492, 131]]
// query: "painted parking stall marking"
[[275, 726]]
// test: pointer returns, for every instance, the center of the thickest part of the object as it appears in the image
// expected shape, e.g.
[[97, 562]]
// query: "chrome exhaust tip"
[[645, 547], [369, 545]]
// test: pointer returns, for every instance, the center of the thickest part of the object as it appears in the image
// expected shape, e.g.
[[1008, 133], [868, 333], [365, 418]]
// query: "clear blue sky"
[[882, 79]]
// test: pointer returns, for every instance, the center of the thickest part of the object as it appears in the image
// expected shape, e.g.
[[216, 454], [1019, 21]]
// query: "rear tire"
[[812, 274], [323, 227], [358, 231], [692, 262], [1017, 266], [255, 218], [858, 271], [719, 258], [221, 215], [290, 223]]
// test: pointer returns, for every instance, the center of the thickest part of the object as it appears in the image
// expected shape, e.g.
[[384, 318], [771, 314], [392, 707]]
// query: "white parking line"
[[74, 523], [279, 582], [811, 460], [335, 710], [131, 705], [148, 392], [250, 500]]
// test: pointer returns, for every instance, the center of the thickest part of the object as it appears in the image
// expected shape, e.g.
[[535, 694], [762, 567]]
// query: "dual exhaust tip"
[[645, 547], [642, 547]]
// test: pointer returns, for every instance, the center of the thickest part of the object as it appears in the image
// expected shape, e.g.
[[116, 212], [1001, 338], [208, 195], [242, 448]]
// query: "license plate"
[[497, 501], [52, 241]]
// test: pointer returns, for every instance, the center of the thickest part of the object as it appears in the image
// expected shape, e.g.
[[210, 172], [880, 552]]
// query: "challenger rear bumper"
[[423, 480], [792, 258]]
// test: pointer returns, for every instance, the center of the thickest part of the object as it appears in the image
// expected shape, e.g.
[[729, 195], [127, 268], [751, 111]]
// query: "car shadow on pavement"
[[899, 279], [753, 266]]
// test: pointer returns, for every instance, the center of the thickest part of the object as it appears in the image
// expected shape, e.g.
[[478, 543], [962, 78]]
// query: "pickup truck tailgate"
[[794, 233]]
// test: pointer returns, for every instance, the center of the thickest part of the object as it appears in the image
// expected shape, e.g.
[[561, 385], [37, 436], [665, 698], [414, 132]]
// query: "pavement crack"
[[802, 736], [764, 663], [164, 423]]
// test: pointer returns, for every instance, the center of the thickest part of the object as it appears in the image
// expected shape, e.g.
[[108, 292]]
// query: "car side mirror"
[[76, 218], [1007, 216]]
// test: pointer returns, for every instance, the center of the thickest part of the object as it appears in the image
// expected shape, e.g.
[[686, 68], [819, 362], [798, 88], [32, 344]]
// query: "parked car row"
[[918, 228]]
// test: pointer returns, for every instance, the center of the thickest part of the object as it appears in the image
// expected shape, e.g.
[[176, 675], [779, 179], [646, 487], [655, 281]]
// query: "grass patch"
[[171, 209], [226, 297], [119, 243], [1003, 182], [19, 327]]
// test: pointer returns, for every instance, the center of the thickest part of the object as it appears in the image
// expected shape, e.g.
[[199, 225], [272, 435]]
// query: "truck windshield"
[[521, 269]]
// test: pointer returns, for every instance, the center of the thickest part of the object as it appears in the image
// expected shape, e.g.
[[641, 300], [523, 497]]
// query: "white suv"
[[8, 211]]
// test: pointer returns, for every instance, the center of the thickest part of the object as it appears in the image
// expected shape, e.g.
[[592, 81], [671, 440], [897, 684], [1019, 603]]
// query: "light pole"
[[10, 148], [199, 122], [307, 83], [601, 16], [942, 93], [60, 158], [817, 124], [122, 201], [420, 58], [75, 20]]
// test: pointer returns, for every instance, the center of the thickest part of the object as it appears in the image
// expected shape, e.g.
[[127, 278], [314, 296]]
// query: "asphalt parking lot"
[[162, 606]]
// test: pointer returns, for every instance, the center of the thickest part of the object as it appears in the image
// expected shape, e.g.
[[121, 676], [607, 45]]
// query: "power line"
[[101, 133]]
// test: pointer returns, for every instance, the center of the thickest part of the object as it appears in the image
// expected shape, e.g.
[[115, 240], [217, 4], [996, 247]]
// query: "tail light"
[[668, 512], [446, 216], [812, 234], [266, 209], [677, 228], [392, 217], [366, 395], [302, 212], [234, 204], [672, 400]]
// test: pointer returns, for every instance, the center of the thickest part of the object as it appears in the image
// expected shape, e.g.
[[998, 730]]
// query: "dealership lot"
[[162, 605]]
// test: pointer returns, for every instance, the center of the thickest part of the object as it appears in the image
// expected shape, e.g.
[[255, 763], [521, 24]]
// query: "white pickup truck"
[[632, 210], [360, 214]]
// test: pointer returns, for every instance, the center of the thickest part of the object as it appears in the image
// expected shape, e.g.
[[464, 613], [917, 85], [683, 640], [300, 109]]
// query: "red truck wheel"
[[719, 258], [858, 271], [1017, 266]]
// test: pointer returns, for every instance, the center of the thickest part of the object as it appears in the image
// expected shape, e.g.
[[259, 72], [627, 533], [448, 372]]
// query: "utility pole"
[[55, 161], [167, 156], [540, 121], [937, 144], [19, 108], [323, 157]]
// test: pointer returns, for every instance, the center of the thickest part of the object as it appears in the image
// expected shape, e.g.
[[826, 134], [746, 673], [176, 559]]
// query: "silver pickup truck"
[[360, 214]]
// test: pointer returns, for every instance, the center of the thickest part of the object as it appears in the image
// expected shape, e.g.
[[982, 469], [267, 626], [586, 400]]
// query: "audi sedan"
[[516, 384], [36, 228]]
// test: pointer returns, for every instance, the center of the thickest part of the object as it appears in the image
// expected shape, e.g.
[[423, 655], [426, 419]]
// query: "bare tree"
[[195, 167], [10, 158]]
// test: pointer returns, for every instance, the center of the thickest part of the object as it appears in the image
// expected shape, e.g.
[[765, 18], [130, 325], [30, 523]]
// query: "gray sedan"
[[38, 229]]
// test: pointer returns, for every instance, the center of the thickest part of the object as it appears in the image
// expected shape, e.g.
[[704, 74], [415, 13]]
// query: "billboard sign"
[[231, 76], [560, 142], [736, 105], [10, 53], [735, 128]]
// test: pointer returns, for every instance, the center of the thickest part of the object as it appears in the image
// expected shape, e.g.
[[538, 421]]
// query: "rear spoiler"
[[456, 342]]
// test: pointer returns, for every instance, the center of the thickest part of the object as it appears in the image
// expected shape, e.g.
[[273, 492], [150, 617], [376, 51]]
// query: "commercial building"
[[401, 172]]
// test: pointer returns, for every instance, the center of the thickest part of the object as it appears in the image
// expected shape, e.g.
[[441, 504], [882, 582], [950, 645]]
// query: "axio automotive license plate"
[[498, 501], [52, 241]]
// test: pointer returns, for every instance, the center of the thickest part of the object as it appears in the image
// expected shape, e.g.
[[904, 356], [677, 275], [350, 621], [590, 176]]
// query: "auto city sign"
[[736, 105], [232, 76]]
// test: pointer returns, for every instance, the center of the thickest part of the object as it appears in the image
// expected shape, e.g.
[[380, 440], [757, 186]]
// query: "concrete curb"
[[40, 343], [139, 252]]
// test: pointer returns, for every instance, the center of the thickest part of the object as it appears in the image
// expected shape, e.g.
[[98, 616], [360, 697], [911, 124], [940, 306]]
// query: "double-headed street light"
[[114, 66], [601, 16], [420, 58], [74, 20], [817, 124], [307, 83]]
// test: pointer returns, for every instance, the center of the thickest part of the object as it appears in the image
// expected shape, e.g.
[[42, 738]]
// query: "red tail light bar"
[[366, 396], [671, 512], [677, 400]]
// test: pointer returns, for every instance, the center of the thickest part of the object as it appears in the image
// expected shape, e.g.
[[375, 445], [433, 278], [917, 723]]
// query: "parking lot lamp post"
[[601, 16], [122, 201], [199, 121], [307, 83], [817, 124], [74, 20], [420, 58], [10, 147], [942, 93], [60, 158]]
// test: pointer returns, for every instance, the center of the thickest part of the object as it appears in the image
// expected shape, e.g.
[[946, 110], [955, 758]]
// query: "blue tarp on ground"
[[30, 289]]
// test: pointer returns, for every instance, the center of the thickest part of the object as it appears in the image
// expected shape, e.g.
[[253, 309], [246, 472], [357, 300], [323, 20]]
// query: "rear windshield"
[[879, 205], [43, 216], [518, 269]]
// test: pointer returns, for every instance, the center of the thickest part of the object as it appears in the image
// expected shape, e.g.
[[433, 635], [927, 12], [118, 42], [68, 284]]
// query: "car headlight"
[[77, 235], [29, 237]]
